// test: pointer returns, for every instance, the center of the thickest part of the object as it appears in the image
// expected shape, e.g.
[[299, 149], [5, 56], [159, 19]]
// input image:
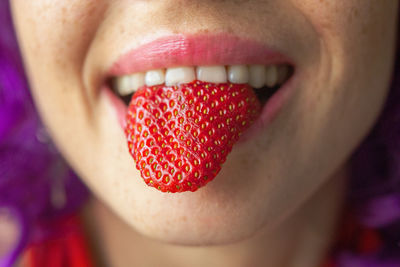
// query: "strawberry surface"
[[179, 136]]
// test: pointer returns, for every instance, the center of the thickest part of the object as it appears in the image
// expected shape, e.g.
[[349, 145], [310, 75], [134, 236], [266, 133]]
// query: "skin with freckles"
[[294, 168]]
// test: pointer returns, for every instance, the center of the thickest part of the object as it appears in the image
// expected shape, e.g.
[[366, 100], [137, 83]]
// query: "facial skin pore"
[[342, 79]]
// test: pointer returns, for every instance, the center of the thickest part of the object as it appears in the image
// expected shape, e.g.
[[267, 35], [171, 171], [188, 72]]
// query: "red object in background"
[[67, 247]]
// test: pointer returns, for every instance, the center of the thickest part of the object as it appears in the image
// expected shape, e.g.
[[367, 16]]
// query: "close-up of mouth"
[[219, 58], [265, 80], [155, 87]]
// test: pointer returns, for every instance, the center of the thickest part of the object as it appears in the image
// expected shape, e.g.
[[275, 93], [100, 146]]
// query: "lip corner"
[[119, 107]]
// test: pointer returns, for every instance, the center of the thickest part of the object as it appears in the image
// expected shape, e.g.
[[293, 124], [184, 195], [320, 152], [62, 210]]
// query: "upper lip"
[[194, 50]]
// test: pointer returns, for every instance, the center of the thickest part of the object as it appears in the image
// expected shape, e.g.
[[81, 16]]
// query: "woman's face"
[[342, 53]]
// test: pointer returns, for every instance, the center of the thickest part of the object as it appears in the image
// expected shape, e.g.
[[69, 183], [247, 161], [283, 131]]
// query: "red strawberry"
[[180, 135]]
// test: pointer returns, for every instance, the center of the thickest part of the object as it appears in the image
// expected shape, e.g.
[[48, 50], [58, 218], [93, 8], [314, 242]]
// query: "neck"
[[302, 240]]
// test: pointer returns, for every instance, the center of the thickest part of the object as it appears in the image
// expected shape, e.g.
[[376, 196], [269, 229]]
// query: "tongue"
[[179, 136]]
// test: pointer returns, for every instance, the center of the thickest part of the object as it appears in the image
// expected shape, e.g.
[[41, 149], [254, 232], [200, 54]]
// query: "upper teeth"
[[256, 75], [174, 76]]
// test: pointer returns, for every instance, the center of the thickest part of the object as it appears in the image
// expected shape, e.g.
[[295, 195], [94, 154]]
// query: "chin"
[[201, 229], [213, 215]]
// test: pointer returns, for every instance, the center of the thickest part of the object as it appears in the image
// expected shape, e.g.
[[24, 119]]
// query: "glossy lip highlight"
[[194, 50]]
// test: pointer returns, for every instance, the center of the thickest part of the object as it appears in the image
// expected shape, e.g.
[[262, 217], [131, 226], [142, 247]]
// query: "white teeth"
[[271, 76], [123, 85], [238, 74], [258, 76], [137, 81], [174, 76], [212, 74], [155, 77]]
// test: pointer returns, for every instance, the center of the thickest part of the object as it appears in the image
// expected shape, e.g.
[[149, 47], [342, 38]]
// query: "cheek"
[[352, 26], [54, 38], [346, 88], [357, 40], [61, 30]]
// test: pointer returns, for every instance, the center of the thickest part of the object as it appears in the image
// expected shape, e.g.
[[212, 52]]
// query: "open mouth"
[[265, 80], [183, 121], [183, 109]]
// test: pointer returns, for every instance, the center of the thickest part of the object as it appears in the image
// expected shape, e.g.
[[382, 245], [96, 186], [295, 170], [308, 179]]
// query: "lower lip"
[[269, 112], [271, 109], [118, 104]]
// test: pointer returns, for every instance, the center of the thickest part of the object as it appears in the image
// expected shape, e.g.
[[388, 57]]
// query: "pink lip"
[[271, 108], [194, 50]]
